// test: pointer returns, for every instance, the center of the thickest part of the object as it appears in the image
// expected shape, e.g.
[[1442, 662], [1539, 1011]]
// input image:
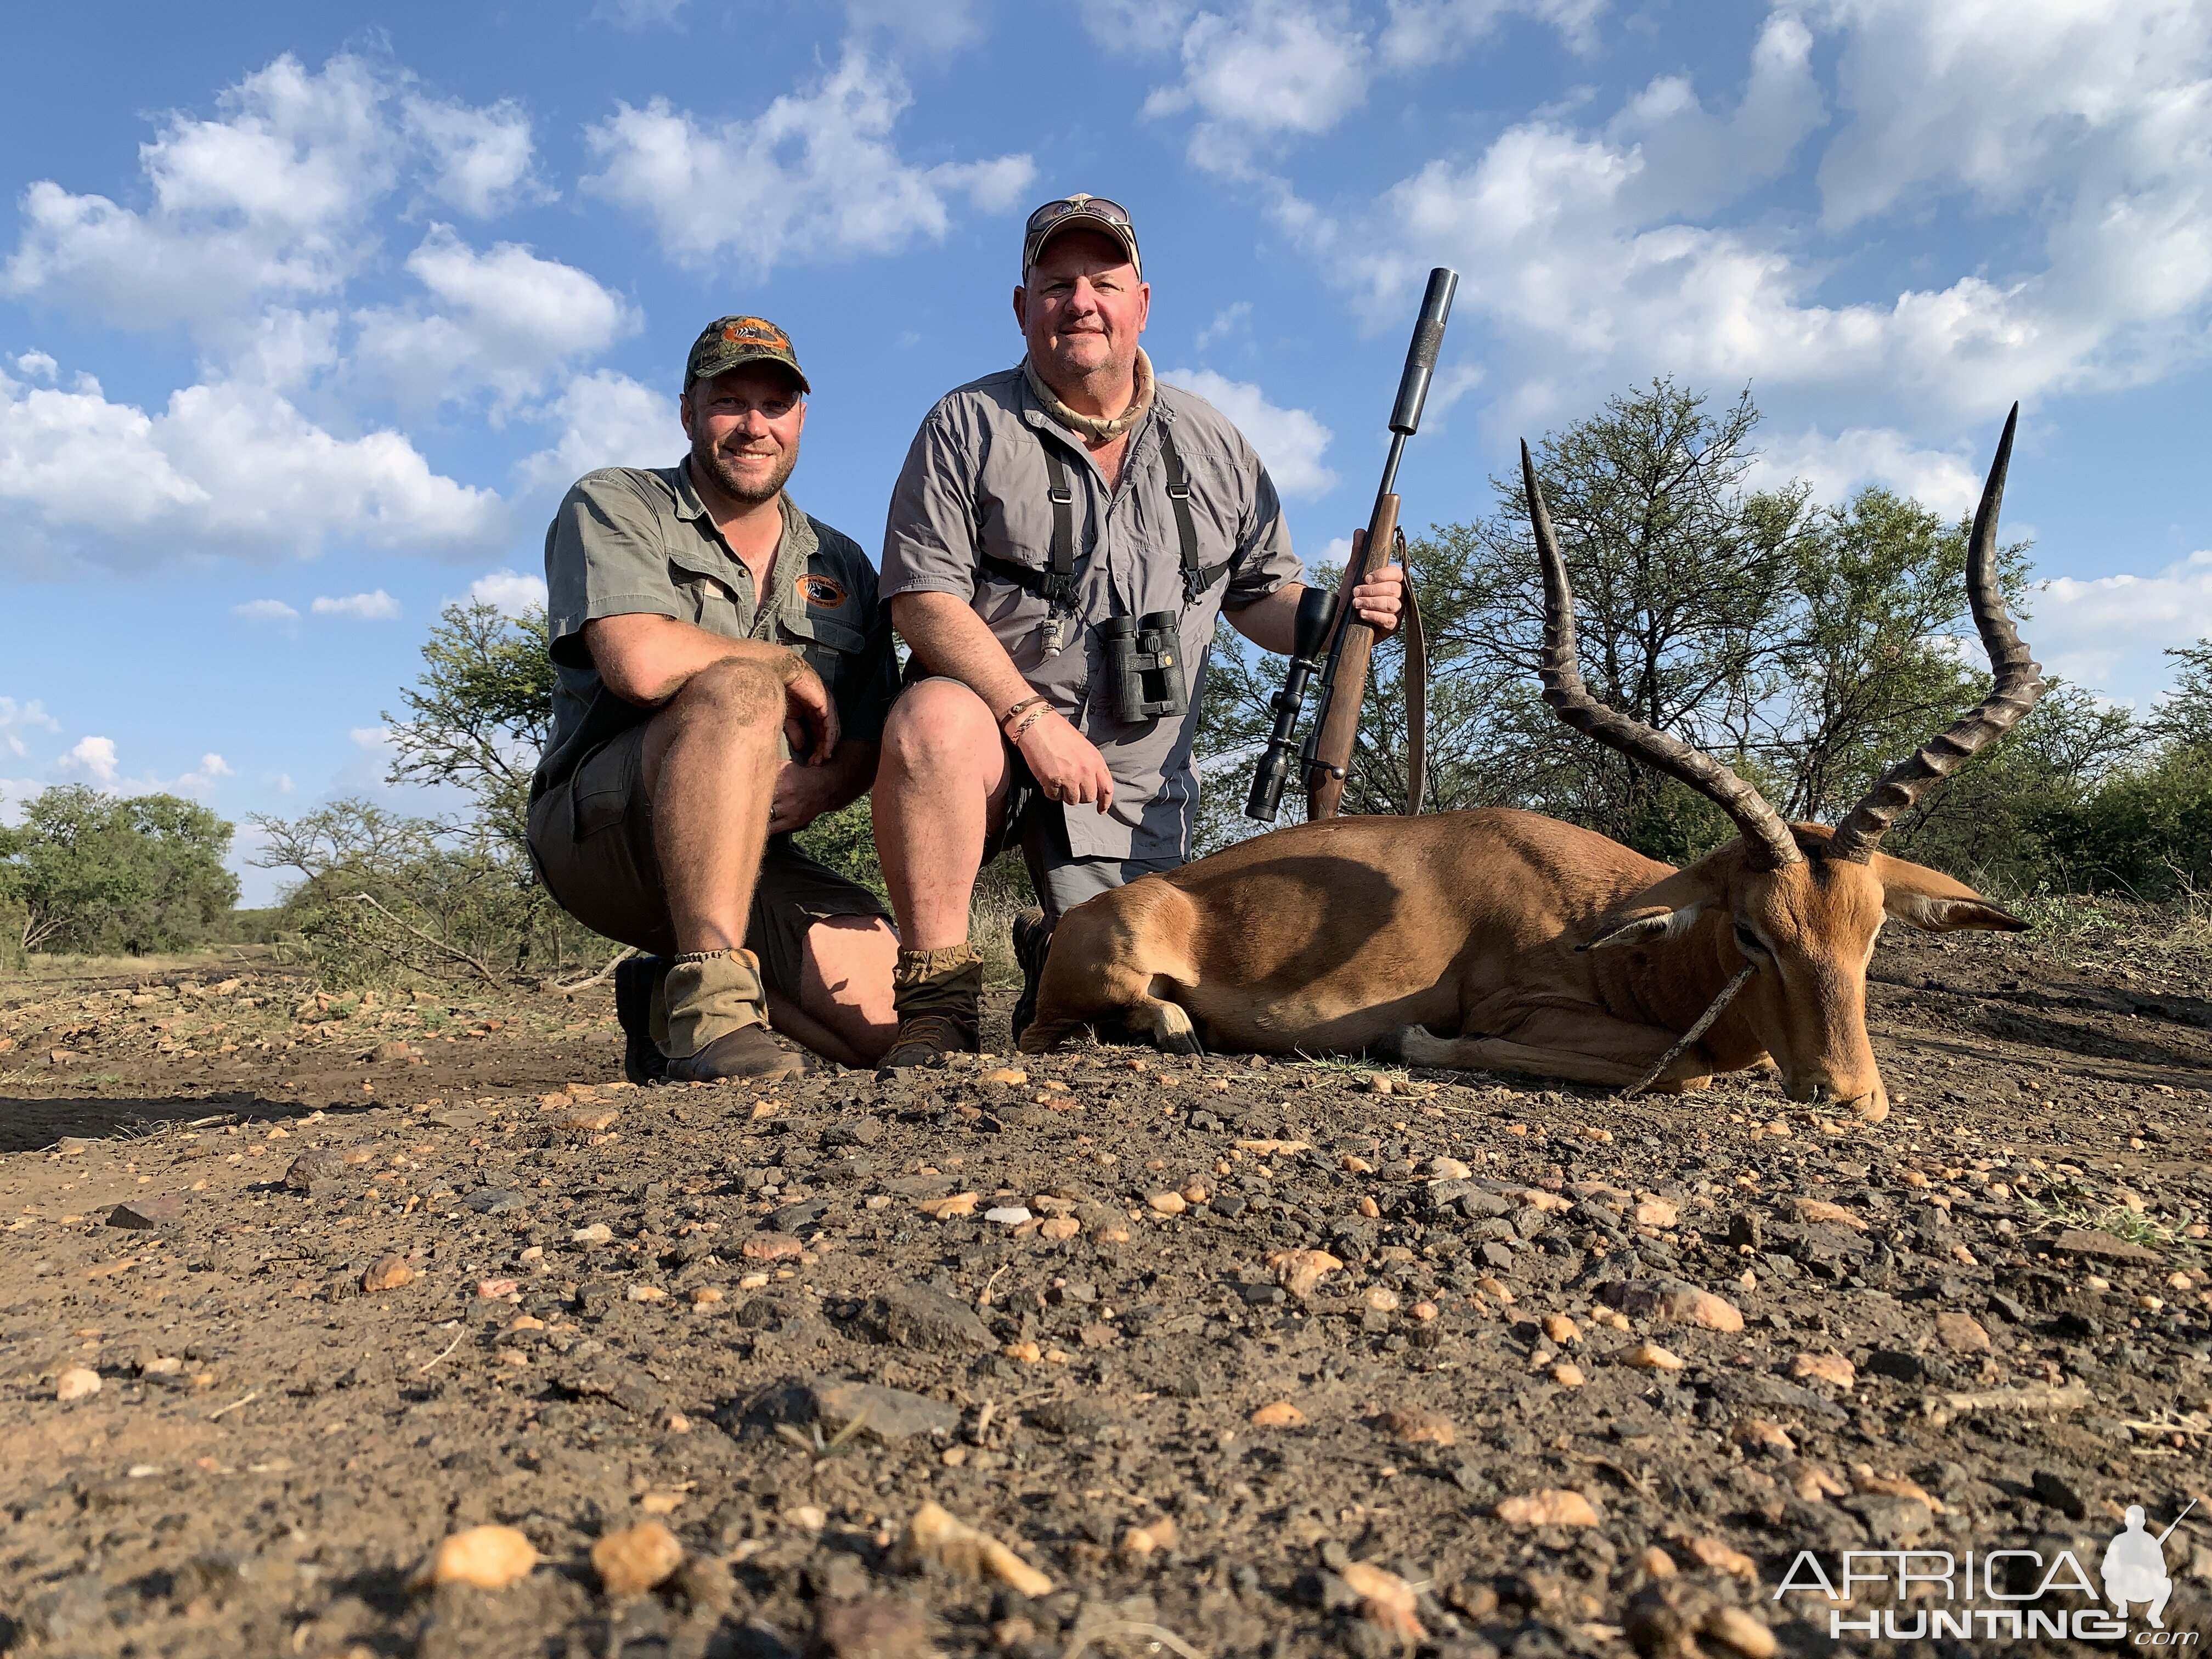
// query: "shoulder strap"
[[1063, 511], [1055, 586], [1196, 578]]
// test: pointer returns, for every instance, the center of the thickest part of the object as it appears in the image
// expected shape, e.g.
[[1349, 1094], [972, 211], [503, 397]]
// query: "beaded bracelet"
[[1026, 702]]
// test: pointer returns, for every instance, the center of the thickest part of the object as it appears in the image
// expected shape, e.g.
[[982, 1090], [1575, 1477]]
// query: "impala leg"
[[1605, 1051]]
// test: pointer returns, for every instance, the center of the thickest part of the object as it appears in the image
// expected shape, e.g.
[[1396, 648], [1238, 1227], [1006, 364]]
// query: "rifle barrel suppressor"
[[1320, 629]]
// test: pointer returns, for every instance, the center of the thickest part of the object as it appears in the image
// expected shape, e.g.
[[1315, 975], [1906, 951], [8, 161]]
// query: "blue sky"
[[307, 315]]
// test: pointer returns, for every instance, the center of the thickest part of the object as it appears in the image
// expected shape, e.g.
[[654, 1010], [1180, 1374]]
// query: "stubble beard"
[[706, 456]]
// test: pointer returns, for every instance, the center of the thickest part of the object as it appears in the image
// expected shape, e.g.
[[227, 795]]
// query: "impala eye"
[[1747, 942]]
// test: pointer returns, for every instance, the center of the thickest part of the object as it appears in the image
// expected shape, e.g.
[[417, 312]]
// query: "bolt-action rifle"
[[1330, 641]]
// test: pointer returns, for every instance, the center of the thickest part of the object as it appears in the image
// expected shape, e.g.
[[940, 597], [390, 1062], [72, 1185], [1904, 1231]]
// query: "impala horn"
[[2018, 684], [1772, 844]]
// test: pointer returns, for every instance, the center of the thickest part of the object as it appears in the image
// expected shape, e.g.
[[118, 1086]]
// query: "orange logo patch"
[[761, 333], [817, 590]]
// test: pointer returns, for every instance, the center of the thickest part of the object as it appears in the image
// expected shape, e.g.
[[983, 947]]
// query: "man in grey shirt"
[[1060, 540]]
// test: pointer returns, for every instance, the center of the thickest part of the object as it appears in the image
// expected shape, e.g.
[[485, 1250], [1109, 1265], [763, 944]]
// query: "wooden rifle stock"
[[1347, 690]]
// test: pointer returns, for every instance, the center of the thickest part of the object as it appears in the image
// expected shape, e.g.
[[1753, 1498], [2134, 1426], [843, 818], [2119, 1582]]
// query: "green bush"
[[91, 874]]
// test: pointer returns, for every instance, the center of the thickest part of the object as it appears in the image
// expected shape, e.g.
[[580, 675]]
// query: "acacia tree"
[[1682, 585], [90, 873], [478, 715]]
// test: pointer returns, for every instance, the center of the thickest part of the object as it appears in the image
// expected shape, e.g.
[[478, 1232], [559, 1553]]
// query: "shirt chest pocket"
[[705, 597], [831, 642]]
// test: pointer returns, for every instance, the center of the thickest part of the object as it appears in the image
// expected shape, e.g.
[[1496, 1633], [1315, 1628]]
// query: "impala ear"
[[1951, 915], [1641, 930], [1931, 901], [1665, 907]]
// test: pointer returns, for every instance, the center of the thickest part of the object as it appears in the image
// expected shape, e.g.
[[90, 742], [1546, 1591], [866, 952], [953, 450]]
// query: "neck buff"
[[1090, 426]]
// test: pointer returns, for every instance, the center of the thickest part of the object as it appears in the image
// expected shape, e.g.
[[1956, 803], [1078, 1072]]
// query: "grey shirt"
[[630, 540], [975, 483]]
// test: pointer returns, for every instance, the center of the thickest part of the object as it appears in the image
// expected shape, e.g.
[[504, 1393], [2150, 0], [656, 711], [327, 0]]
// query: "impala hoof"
[[1413, 1045], [1172, 1033]]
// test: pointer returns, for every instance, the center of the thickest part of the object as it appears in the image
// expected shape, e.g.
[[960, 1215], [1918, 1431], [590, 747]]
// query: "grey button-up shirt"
[[630, 540], [975, 483]]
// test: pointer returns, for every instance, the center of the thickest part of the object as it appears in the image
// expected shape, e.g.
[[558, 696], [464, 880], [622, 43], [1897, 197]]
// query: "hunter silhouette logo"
[[2135, 1567], [1999, 1594]]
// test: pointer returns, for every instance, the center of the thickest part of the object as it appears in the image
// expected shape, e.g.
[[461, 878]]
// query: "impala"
[[1502, 940]]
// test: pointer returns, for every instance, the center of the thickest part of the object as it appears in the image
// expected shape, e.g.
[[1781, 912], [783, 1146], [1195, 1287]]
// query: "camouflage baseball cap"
[[731, 342], [1079, 212]]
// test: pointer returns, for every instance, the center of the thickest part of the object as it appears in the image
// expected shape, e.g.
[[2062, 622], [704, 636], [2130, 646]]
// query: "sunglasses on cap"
[[1095, 207], [1071, 211]]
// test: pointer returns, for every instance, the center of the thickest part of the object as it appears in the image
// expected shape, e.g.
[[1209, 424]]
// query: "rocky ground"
[[1217, 1357]]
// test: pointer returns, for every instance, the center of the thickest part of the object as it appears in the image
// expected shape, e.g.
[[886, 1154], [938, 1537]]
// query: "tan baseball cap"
[[1079, 212], [730, 341]]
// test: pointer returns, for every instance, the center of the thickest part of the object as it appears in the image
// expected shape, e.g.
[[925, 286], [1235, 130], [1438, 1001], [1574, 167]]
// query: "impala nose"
[[1868, 1102]]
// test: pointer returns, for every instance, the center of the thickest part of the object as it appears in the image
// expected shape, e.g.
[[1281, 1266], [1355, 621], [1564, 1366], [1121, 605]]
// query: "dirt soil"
[[1517, 1419]]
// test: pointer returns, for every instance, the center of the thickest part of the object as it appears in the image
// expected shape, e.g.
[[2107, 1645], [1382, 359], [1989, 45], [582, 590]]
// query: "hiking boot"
[[1032, 943], [939, 996], [637, 981], [751, 1052], [717, 1021]]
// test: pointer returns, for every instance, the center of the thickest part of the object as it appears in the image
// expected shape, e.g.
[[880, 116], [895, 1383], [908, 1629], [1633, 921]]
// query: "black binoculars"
[[1143, 666]]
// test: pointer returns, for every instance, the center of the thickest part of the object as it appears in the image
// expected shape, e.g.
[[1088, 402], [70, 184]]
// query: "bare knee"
[[939, 725], [735, 691]]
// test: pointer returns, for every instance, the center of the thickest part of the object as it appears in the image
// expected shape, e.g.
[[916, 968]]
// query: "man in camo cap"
[[1045, 514], [724, 668]]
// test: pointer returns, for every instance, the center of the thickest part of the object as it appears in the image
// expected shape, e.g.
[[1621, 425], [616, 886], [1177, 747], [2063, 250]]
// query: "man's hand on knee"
[[1066, 765], [809, 706]]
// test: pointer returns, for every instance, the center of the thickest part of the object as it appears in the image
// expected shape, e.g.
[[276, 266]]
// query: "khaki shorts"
[[592, 837]]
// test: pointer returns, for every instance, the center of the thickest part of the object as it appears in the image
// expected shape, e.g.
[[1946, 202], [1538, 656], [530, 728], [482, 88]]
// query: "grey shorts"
[[592, 837]]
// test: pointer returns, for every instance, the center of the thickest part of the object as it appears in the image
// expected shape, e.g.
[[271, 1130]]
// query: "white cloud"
[[1603, 253], [512, 591], [17, 718], [815, 177], [266, 200], [280, 782], [268, 611], [37, 365], [2109, 632], [939, 26], [606, 419], [1225, 321], [226, 467], [16, 793], [270, 201], [1424, 33], [480, 157], [1272, 67], [91, 757], [1944, 480], [639, 13], [502, 320], [378, 607], [1290, 440], [202, 779]]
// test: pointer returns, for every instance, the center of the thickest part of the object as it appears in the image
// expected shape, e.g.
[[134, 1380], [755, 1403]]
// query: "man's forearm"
[[1271, 622], [847, 776], [647, 659], [951, 640]]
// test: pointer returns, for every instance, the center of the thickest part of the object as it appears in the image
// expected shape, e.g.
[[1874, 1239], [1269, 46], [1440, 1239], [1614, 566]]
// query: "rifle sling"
[[1417, 692]]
